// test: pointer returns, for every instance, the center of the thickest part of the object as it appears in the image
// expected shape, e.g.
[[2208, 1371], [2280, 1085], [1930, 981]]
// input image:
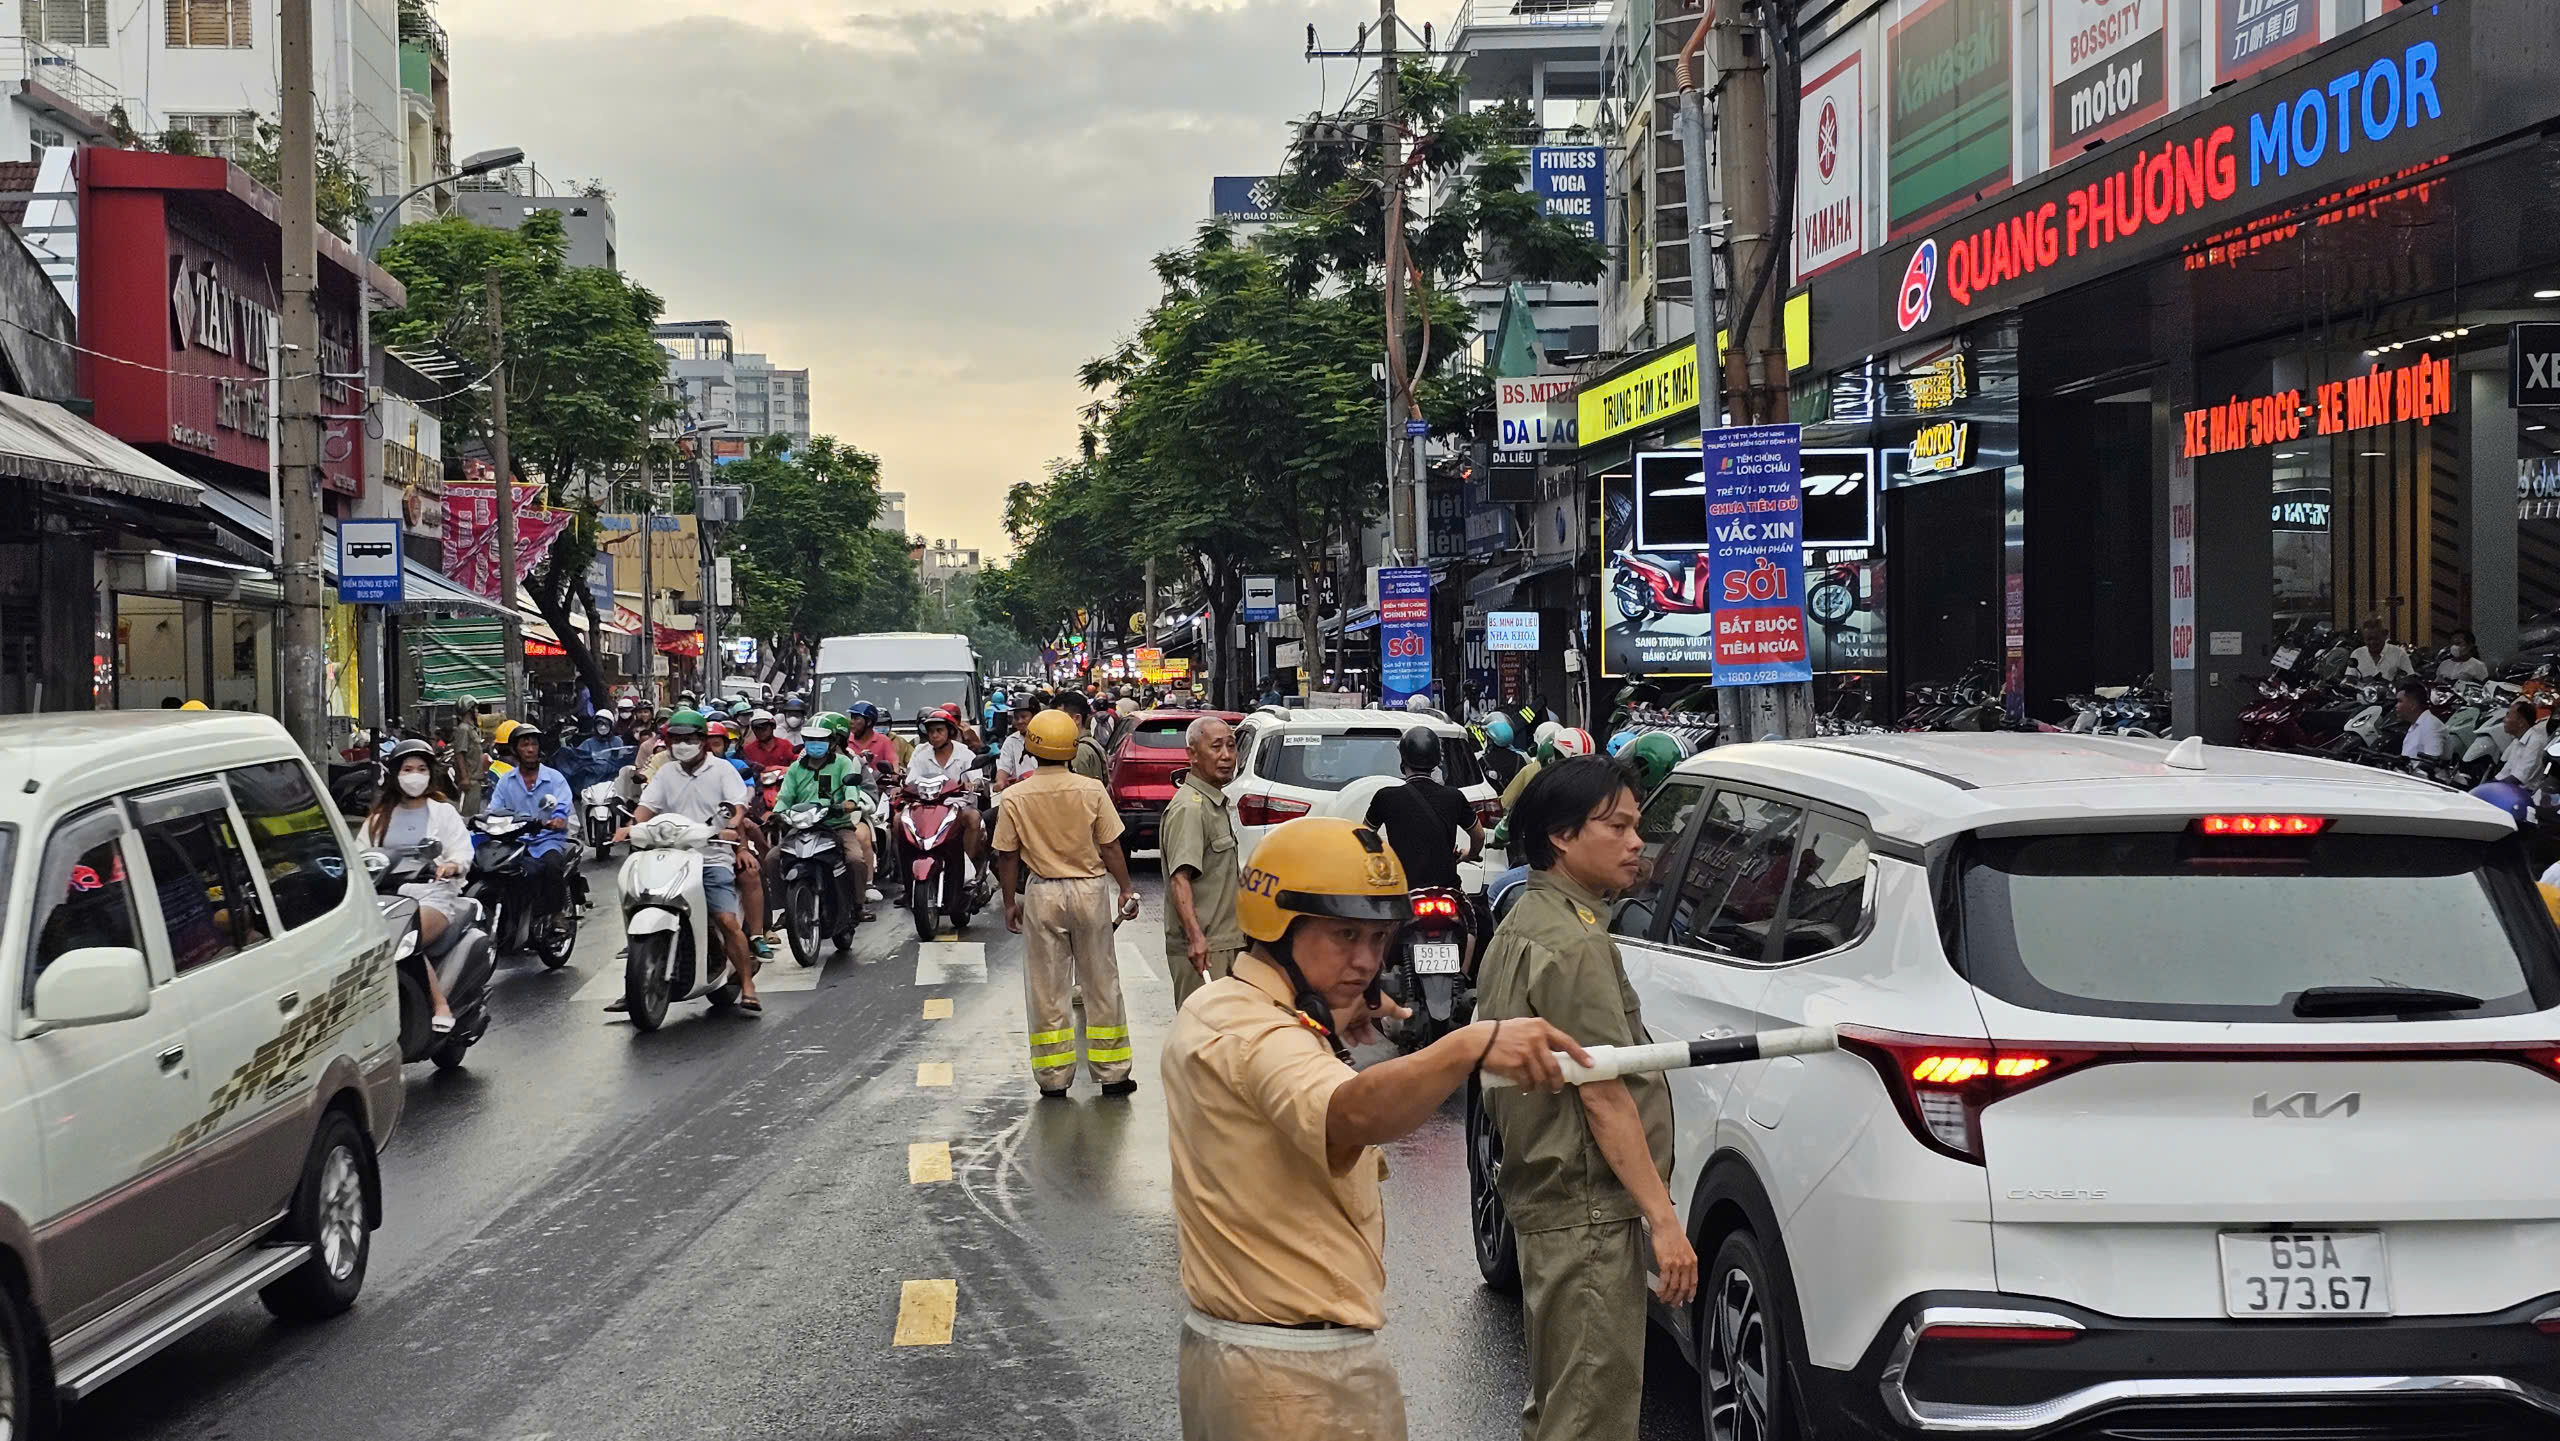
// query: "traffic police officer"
[[1585, 1176], [1275, 1162], [1197, 841], [1057, 835]]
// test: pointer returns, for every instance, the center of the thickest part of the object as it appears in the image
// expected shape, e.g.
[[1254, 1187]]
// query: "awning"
[[424, 590], [43, 442], [458, 660]]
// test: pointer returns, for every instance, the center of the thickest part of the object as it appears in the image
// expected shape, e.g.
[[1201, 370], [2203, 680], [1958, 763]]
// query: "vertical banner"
[[2013, 592], [1948, 130], [2182, 563], [1831, 155], [1404, 631], [2109, 69], [2243, 37], [1570, 183], [1755, 526]]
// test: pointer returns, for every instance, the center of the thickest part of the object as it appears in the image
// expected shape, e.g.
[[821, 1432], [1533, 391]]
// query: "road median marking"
[[949, 962], [925, 1313], [933, 1073], [937, 1008], [928, 1161]]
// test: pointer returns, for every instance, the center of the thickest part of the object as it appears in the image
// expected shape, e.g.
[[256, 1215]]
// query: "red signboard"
[[180, 259]]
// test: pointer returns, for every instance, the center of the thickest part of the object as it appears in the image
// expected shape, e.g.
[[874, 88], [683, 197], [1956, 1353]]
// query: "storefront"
[[2239, 370]]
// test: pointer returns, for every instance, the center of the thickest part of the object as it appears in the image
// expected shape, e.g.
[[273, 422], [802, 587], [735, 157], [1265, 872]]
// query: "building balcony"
[[52, 82]]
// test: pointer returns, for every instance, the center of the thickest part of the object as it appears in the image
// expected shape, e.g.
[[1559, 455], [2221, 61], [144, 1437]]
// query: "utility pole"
[[1404, 524], [1742, 128], [306, 635], [498, 457], [649, 578]]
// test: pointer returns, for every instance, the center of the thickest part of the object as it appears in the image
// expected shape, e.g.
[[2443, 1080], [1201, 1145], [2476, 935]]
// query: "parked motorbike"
[[464, 957], [523, 913], [815, 881], [672, 946], [940, 879], [1426, 972]]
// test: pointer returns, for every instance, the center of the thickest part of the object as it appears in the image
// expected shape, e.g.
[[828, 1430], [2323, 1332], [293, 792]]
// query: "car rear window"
[[2171, 925], [1159, 735], [1318, 762]]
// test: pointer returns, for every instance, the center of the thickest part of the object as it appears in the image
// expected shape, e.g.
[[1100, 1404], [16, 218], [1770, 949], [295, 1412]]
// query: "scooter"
[[464, 957], [673, 950], [941, 880], [814, 879], [604, 808], [511, 892], [1425, 971], [1646, 586]]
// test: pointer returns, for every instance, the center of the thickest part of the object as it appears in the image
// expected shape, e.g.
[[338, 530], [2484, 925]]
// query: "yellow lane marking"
[[948, 936], [938, 1009], [933, 1073], [925, 1310], [928, 1161]]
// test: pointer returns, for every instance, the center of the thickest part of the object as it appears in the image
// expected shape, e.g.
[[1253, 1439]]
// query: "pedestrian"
[[2462, 660], [1057, 838], [1089, 761], [1585, 1176], [470, 760], [1196, 842], [1276, 1167]]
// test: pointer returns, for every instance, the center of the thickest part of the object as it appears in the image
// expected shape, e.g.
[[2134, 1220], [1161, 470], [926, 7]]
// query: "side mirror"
[[92, 986]]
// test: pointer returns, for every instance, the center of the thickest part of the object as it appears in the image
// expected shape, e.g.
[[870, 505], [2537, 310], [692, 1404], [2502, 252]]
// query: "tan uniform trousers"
[[1186, 980], [1583, 1295], [1268, 1383], [1066, 927]]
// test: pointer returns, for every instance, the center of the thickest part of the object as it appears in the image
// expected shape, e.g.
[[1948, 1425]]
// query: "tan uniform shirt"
[[1553, 958], [1271, 1235], [1059, 822], [1198, 837]]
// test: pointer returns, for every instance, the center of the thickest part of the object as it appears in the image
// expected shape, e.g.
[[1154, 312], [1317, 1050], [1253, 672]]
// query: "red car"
[[1143, 766]]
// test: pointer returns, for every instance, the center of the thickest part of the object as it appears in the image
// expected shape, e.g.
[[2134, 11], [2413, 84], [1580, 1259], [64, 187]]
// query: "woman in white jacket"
[[410, 808]]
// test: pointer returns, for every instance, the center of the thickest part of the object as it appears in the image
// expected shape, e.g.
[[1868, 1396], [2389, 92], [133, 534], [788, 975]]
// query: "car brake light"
[[2262, 825], [1435, 908], [1941, 1086], [1255, 810]]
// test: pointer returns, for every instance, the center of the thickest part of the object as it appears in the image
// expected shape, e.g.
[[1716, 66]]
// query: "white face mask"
[[413, 783], [687, 752]]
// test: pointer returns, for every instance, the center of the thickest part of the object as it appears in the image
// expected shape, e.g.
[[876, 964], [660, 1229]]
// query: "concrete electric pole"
[[306, 631], [499, 458], [1405, 524]]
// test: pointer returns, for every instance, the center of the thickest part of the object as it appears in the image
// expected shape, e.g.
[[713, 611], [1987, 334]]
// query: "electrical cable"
[[146, 365]]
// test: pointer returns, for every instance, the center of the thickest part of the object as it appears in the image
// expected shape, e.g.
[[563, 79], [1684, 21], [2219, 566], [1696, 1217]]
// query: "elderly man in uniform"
[[1057, 835], [1197, 841], [1585, 1176], [1275, 1162]]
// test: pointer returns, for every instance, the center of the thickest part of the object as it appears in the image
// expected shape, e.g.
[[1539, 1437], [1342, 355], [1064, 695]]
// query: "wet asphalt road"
[[705, 1232]]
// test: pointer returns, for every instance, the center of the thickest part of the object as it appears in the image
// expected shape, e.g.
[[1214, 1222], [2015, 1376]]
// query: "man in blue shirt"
[[541, 795]]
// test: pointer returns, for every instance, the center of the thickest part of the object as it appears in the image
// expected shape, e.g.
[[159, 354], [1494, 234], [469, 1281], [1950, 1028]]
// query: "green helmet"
[[687, 719], [1651, 756], [834, 723]]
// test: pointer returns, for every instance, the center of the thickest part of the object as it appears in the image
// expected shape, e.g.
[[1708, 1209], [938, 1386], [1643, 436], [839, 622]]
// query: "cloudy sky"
[[939, 208]]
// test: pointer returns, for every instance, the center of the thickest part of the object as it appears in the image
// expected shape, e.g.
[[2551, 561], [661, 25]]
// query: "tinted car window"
[[306, 871], [207, 901], [83, 897], [1318, 762], [2178, 926], [1666, 816], [1737, 873], [1159, 735], [1827, 899]]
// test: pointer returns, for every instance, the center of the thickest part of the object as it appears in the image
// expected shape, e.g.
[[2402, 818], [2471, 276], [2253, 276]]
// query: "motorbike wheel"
[[920, 905], [644, 979], [416, 1039], [803, 927], [559, 940]]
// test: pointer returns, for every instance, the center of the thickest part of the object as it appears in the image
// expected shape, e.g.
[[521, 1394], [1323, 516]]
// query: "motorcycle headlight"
[[601, 813]]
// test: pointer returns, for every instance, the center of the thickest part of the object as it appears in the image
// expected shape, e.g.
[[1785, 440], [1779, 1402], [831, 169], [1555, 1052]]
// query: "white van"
[[901, 672]]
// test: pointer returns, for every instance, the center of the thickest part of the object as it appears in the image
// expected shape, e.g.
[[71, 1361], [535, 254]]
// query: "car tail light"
[[1941, 1086], [1257, 810], [1435, 906], [1489, 812], [2012, 1333], [2261, 825]]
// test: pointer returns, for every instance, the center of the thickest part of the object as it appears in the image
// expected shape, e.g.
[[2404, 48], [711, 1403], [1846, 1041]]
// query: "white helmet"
[[1573, 742], [1418, 701], [1545, 732]]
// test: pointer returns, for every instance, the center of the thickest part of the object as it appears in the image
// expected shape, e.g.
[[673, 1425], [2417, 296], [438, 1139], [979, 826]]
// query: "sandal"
[[441, 1025], [751, 1005]]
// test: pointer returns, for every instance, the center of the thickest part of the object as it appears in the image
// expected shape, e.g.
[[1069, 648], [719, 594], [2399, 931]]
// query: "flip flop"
[[751, 1005], [441, 1025]]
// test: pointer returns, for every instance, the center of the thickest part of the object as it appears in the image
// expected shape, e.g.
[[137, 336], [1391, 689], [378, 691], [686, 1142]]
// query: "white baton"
[[1610, 1062]]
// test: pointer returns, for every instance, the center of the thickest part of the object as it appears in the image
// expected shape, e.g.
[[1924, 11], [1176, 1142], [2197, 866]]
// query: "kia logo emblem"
[[1919, 282]]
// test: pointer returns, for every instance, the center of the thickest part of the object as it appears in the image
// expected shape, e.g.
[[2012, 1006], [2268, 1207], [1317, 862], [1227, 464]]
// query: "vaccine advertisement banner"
[[1404, 631], [1755, 537]]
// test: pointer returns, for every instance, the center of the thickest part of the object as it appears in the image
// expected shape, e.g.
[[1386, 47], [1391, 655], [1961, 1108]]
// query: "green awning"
[[458, 660]]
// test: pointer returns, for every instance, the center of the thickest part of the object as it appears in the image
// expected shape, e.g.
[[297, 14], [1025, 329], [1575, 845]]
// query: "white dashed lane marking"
[[947, 963]]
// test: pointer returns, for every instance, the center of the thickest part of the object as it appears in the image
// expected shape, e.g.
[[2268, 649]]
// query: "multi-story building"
[[939, 561], [702, 356], [503, 198], [771, 401], [893, 512], [426, 93]]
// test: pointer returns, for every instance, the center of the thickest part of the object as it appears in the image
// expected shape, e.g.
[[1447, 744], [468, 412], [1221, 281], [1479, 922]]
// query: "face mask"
[[687, 752], [413, 783], [792, 724], [815, 750]]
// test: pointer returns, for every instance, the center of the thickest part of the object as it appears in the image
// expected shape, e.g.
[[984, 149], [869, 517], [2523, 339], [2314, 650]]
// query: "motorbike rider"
[[695, 786], [824, 774], [415, 809], [792, 719], [764, 749], [866, 741], [2461, 661], [2528, 736], [2380, 657], [541, 796], [1502, 760], [943, 755], [1423, 816], [1012, 761]]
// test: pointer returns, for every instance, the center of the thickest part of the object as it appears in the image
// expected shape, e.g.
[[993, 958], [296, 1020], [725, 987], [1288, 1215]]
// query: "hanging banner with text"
[[1404, 631], [1755, 539], [1569, 181]]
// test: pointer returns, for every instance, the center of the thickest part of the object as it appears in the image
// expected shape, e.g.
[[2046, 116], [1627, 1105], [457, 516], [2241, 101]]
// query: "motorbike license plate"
[[2284, 659], [2304, 1273], [1435, 958]]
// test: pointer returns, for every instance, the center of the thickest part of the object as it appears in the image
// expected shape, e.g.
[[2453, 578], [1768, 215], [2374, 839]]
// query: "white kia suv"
[[1291, 763], [2182, 1092]]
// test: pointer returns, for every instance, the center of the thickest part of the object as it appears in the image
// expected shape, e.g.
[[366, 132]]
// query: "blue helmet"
[[1498, 730], [864, 709], [1621, 741], [2507, 796]]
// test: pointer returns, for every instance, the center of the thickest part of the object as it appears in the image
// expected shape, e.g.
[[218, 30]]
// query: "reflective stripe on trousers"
[[1067, 935]]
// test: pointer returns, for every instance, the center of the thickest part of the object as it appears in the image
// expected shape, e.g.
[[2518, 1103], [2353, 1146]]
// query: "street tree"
[[809, 561]]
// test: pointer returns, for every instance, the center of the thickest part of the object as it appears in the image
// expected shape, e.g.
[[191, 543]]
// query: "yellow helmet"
[[506, 732], [2551, 900], [1052, 736], [195, 705], [1320, 866]]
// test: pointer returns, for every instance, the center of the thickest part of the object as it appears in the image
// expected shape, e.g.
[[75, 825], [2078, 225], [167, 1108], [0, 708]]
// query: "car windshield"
[[899, 694], [2173, 925], [1318, 762]]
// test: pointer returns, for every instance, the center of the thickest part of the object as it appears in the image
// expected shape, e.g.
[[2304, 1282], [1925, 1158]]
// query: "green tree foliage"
[[585, 378], [809, 562], [1078, 545], [959, 605]]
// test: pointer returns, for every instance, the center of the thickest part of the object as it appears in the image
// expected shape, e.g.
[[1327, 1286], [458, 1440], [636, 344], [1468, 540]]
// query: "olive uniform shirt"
[[1553, 958], [1059, 822], [1198, 837], [1271, 1234], [1089, 760]]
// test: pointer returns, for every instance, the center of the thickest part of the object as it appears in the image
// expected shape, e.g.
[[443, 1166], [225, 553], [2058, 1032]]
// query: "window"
[[82, 894], [67, 22], [1665, 820], [209, 25], [207, 901], [1318, 762], [227, 133], [1827, 900], [1160, 735], [306, 871], [1737, 873]]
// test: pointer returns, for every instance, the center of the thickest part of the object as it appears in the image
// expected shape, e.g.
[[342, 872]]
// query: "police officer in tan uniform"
[[1585, 1174], [1197, 841], [1275, 1162], [1058, 857]]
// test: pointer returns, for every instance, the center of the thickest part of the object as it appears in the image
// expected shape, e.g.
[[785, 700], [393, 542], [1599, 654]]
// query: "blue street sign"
[[1417, 427], [369, 569], [1755, 541]]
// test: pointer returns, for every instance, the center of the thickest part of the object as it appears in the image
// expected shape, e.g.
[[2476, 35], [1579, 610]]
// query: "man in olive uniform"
[[1089, 761], [1585, 1174], [1197, 841]]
